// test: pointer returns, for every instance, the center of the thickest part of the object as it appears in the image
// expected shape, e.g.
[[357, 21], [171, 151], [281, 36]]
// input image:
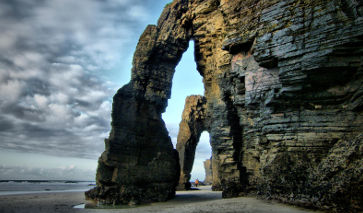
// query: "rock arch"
[[194, 122], [283, 89], [139, 163]]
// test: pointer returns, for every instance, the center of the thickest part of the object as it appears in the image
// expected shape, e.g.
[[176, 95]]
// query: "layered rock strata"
[[295, 85], [194, 122], [284, 95]]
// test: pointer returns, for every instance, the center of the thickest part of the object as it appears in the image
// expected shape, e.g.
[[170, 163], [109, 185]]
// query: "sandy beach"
[[203, 200]]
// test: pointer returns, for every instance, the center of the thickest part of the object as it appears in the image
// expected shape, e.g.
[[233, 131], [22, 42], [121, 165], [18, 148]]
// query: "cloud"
[[173, 130], [137, 11], [41, 101], [11, 90], [55, 64]]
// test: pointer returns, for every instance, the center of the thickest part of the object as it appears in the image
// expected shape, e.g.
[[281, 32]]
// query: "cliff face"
[[295, 85], [284, 96]]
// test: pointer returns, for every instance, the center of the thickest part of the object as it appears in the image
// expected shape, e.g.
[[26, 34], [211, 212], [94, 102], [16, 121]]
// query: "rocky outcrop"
[[283, 90], [194, 122], [139, 163], [208, 172]]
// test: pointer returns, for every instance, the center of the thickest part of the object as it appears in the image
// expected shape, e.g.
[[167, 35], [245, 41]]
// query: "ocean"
[[11, 187]]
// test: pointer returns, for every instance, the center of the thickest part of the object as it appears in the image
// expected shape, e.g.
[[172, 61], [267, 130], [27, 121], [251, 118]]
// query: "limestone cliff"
[[284, 96]]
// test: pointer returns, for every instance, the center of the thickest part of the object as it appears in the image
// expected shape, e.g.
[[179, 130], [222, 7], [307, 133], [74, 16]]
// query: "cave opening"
[[203, 153]]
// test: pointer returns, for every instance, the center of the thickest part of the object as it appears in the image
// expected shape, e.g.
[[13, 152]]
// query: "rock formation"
[[284, 96], [193, 123], [139, 163], [208, 172]]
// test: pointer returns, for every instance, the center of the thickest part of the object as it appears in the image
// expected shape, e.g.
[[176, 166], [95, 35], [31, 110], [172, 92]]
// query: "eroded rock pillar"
[[139, 163]]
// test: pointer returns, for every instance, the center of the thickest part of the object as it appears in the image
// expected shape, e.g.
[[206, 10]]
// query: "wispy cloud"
[[56, 56]]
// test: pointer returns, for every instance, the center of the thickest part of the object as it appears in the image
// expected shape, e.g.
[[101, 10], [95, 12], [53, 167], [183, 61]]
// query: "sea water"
[[9, 187]]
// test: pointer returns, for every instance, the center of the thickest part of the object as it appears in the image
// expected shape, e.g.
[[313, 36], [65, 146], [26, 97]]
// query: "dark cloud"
[[5, 124], [55, 67], [18, 9]]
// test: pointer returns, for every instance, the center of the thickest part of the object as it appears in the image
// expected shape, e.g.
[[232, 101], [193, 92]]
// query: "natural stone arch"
[[194, 122], [139, 163], [262, 63]]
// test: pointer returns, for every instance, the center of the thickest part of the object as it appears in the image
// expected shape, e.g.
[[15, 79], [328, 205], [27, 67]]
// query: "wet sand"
[[203, 200]]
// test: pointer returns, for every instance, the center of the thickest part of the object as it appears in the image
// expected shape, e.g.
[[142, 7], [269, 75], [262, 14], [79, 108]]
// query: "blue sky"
[[187, 81], [61, 63]]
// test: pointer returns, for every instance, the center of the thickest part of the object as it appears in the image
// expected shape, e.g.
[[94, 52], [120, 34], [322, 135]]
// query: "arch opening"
[[186, 128], [186, 81], [201, 168]]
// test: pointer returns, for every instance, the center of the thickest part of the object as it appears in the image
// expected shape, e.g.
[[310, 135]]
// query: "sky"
[[61, 62]]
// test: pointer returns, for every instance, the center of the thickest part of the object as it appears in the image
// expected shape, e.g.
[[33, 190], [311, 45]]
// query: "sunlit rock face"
[[283, 90], [194, 122], [208, 172]]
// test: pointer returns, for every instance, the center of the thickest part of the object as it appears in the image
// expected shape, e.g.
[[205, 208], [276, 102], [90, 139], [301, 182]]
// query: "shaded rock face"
[[283, 89], [208, 172], [139, 163], [194, 122]]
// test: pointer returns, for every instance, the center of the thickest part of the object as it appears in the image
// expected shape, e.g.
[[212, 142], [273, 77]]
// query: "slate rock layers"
[[284, 96], [193, 123]]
